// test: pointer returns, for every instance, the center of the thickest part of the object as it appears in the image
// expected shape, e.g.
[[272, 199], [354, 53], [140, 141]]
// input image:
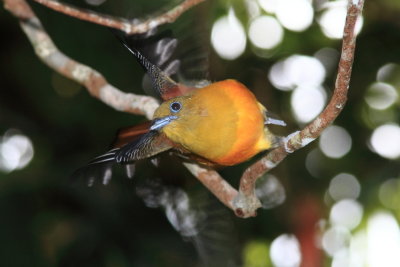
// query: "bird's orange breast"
[[222, 122]]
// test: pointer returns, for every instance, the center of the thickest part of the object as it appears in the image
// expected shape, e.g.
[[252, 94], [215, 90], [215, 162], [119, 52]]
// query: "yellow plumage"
[[222, 122]]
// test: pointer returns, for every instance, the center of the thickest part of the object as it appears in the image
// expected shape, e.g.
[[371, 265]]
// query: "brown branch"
[[128, 26], [99, 88], [214, 182], [95, 83], [245, 200]]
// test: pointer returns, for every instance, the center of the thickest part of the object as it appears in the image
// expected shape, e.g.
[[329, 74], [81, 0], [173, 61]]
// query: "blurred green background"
[[334, 203]]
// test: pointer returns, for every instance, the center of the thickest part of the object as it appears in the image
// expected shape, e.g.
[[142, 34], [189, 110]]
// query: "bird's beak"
[[161, 122]]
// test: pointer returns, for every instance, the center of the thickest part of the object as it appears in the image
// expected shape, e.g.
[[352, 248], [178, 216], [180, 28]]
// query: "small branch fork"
[[246, 199], [123, 24], [95, 83], [243, 202]]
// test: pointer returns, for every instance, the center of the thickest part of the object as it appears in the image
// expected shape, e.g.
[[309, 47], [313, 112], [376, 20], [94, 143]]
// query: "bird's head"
[[170, 112]]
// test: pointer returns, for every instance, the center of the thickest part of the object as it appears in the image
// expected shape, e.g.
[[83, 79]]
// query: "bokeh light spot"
[[389, 73], [269, 5], [285, 251], [358, 248], [333, 19], [297, 70], [385, 141], [389, 193], [228, 37], [307, 103], [305, 70], [295, 15], [16, 151], [347, 213], [335, 142], [383, 237], [328, 57], [265, 32], [335, 239], [381, 95], [278, 76], [343, 186], [341, 258], [270, 191], [256, 254]]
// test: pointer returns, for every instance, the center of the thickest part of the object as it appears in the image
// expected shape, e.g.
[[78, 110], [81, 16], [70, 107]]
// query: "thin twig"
[[95, 83], [123, 24], [245, 198]]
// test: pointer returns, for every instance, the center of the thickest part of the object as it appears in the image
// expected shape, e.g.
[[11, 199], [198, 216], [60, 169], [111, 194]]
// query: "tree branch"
[[95, 83], [98, 87], [246, 199], [128, 26], [244, 202]]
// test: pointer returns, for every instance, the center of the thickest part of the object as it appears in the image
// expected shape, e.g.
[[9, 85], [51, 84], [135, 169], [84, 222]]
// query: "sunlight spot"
[[381, 95], [305, 70], [358, 248], [295, 15], [16, 151], [383, 237], [347, 213], [329, 58], [335, 142], [265, 32], [255, 253], [285, 251], [385, 141], [278, 76], [269, 5], [297, 70], [228, 36], [333, 19], [335, 239], [344, 185], [341, 258], [307, 103], [389, 193], [389, 73], [253, 9], [270, 191]]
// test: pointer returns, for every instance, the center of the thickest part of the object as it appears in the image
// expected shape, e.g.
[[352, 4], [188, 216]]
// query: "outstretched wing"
[[132, 144], [131, 133], [160, 79], [181, 56], [164, 85]]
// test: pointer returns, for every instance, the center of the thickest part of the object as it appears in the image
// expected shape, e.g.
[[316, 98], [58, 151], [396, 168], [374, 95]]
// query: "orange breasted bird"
[[219, 124]]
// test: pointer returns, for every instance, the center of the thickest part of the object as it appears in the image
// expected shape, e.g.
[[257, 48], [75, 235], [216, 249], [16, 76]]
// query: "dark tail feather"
[[98, 169], [108, 157]]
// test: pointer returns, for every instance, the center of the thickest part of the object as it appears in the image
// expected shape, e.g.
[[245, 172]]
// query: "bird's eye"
[[175, 106]]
